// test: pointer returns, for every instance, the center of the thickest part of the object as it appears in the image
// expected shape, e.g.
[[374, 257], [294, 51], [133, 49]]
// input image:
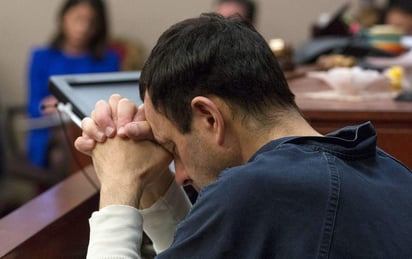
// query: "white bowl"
[[349, 81]]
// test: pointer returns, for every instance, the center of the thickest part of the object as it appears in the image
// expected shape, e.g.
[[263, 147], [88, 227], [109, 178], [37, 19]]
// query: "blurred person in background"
[[245, 8], [78, 46], [399, 13]]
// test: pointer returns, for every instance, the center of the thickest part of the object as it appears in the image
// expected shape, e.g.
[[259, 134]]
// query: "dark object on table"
[[349, 46], [405, 96], [335, 27], [283, 53]]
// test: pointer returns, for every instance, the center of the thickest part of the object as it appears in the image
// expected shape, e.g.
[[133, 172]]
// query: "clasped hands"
[[132, 169]]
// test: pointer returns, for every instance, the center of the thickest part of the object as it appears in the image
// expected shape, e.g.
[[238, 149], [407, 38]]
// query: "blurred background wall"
[[27, 23]]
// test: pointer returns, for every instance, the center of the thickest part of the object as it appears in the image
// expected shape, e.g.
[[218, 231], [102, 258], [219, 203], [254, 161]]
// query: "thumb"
[[138, 130]]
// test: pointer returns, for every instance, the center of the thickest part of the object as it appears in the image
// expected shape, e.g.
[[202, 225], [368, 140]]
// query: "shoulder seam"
[[331, 209]]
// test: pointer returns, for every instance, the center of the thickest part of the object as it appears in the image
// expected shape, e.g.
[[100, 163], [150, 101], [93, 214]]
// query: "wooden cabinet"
[[54, 224]]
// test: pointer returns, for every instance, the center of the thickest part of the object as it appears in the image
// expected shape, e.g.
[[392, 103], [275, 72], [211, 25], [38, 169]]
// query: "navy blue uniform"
[[337, 196]]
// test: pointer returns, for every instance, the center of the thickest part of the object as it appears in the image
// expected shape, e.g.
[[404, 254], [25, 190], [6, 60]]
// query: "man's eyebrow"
[[159, 140], [167, 144]]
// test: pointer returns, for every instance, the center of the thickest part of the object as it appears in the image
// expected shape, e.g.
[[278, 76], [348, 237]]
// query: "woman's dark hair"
[[97, 44], [214, 56]]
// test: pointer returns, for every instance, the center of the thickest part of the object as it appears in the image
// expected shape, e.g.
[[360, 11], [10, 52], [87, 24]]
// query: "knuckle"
[[99, 103]]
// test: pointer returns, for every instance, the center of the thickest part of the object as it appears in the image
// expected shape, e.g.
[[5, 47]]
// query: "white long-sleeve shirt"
[[116, 230]]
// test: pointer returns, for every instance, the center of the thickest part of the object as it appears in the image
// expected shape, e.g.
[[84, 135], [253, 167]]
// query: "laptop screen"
[[82, 91]]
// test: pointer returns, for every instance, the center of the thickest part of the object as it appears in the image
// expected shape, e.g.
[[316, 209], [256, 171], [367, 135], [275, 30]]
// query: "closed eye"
[[171, 147]]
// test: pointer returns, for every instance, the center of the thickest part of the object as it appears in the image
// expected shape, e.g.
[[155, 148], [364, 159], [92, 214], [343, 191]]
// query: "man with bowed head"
[[217, 103]]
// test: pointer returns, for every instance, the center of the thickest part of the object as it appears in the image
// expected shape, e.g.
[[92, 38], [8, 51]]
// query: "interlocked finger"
[[91, 130], [102, 116], [126, 111]]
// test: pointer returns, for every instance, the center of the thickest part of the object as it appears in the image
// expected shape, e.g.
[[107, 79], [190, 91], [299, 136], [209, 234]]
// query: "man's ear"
[[208, 117]]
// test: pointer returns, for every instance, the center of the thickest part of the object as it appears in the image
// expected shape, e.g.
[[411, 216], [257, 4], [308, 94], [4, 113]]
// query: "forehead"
[[81, 9], [162, 128], [230, 8]]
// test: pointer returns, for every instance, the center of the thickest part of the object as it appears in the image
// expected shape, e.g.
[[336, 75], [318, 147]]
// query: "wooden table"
[[392, 120]]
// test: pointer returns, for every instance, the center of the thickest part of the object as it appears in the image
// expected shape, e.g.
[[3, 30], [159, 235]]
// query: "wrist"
[[115, 195], [153, 192]]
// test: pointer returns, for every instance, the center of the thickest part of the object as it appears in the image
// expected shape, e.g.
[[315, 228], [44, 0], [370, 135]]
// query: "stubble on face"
[[200, 158]]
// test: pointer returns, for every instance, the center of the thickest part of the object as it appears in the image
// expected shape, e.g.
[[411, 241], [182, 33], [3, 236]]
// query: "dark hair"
[[214, 56], [402, 6], [249, 5], [97, 43]]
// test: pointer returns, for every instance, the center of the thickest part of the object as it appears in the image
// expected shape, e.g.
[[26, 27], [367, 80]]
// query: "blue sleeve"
[[220, 226], [203, 234], [113, 61], [109, 63], [37, 81]]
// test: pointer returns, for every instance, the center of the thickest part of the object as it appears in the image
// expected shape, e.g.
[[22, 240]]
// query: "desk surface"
[[304, 85]]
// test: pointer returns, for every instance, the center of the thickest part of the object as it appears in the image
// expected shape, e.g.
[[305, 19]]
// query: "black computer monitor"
[[82, 91]]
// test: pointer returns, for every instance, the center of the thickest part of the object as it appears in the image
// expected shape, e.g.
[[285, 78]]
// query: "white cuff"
[[161, 219], [115, 232]]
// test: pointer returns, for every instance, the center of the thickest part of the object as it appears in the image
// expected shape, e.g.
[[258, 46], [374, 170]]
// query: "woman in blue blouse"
[[79, 46]]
